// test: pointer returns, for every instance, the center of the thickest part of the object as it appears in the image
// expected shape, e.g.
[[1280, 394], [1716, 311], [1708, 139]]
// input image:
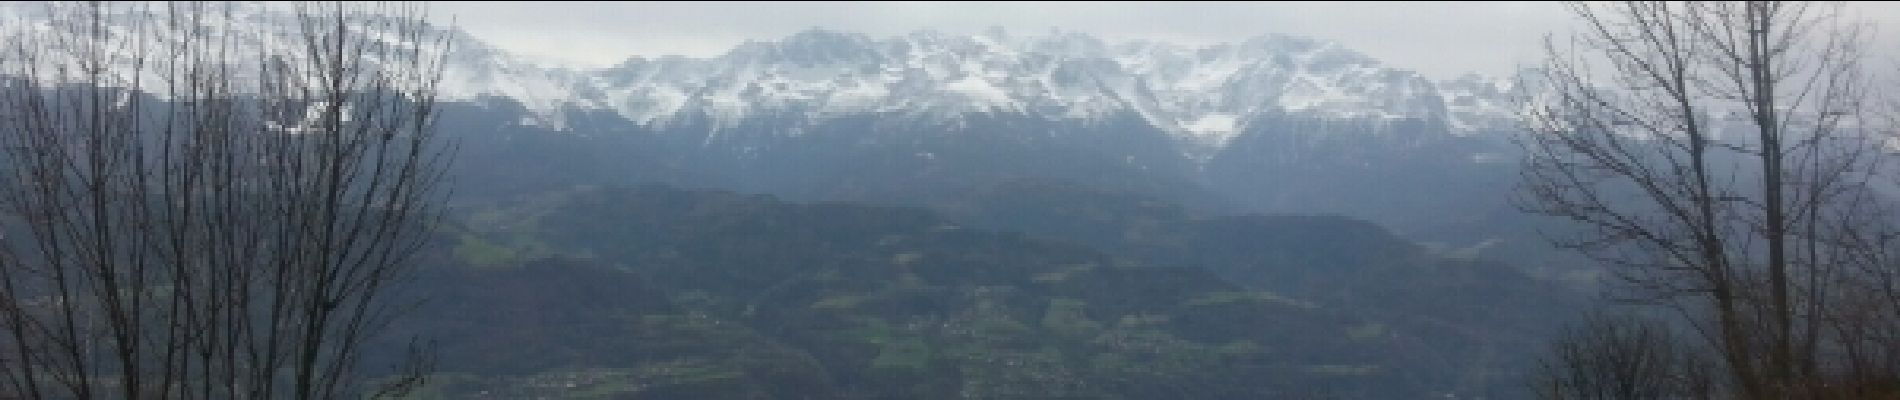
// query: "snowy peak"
[[1479, 104]]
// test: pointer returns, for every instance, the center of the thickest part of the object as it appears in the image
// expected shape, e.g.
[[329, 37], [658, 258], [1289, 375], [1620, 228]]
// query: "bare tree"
[[1621, 357], [211, 200], [1720, 155]]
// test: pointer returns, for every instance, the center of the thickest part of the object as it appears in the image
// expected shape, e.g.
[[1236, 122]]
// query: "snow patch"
[[988, 95], [1213, 127]]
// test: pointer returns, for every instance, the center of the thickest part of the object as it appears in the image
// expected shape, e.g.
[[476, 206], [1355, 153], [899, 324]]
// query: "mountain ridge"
[[1276, 123], [1201, 97]]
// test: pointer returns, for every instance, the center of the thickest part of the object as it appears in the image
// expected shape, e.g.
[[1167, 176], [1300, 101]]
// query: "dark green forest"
[[1056, 291]]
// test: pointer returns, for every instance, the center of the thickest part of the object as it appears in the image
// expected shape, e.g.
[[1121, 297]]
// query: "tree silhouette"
[[195, 207], [1722, 157]]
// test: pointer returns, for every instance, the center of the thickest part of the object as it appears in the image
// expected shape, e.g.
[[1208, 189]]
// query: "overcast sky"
[[1440, 39]]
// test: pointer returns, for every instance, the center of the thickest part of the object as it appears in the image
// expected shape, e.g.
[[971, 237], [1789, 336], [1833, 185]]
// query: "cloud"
[[1440, 39]]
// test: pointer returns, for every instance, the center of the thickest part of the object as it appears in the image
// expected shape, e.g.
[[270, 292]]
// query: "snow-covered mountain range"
[[1276, 123], [1203, 97]]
